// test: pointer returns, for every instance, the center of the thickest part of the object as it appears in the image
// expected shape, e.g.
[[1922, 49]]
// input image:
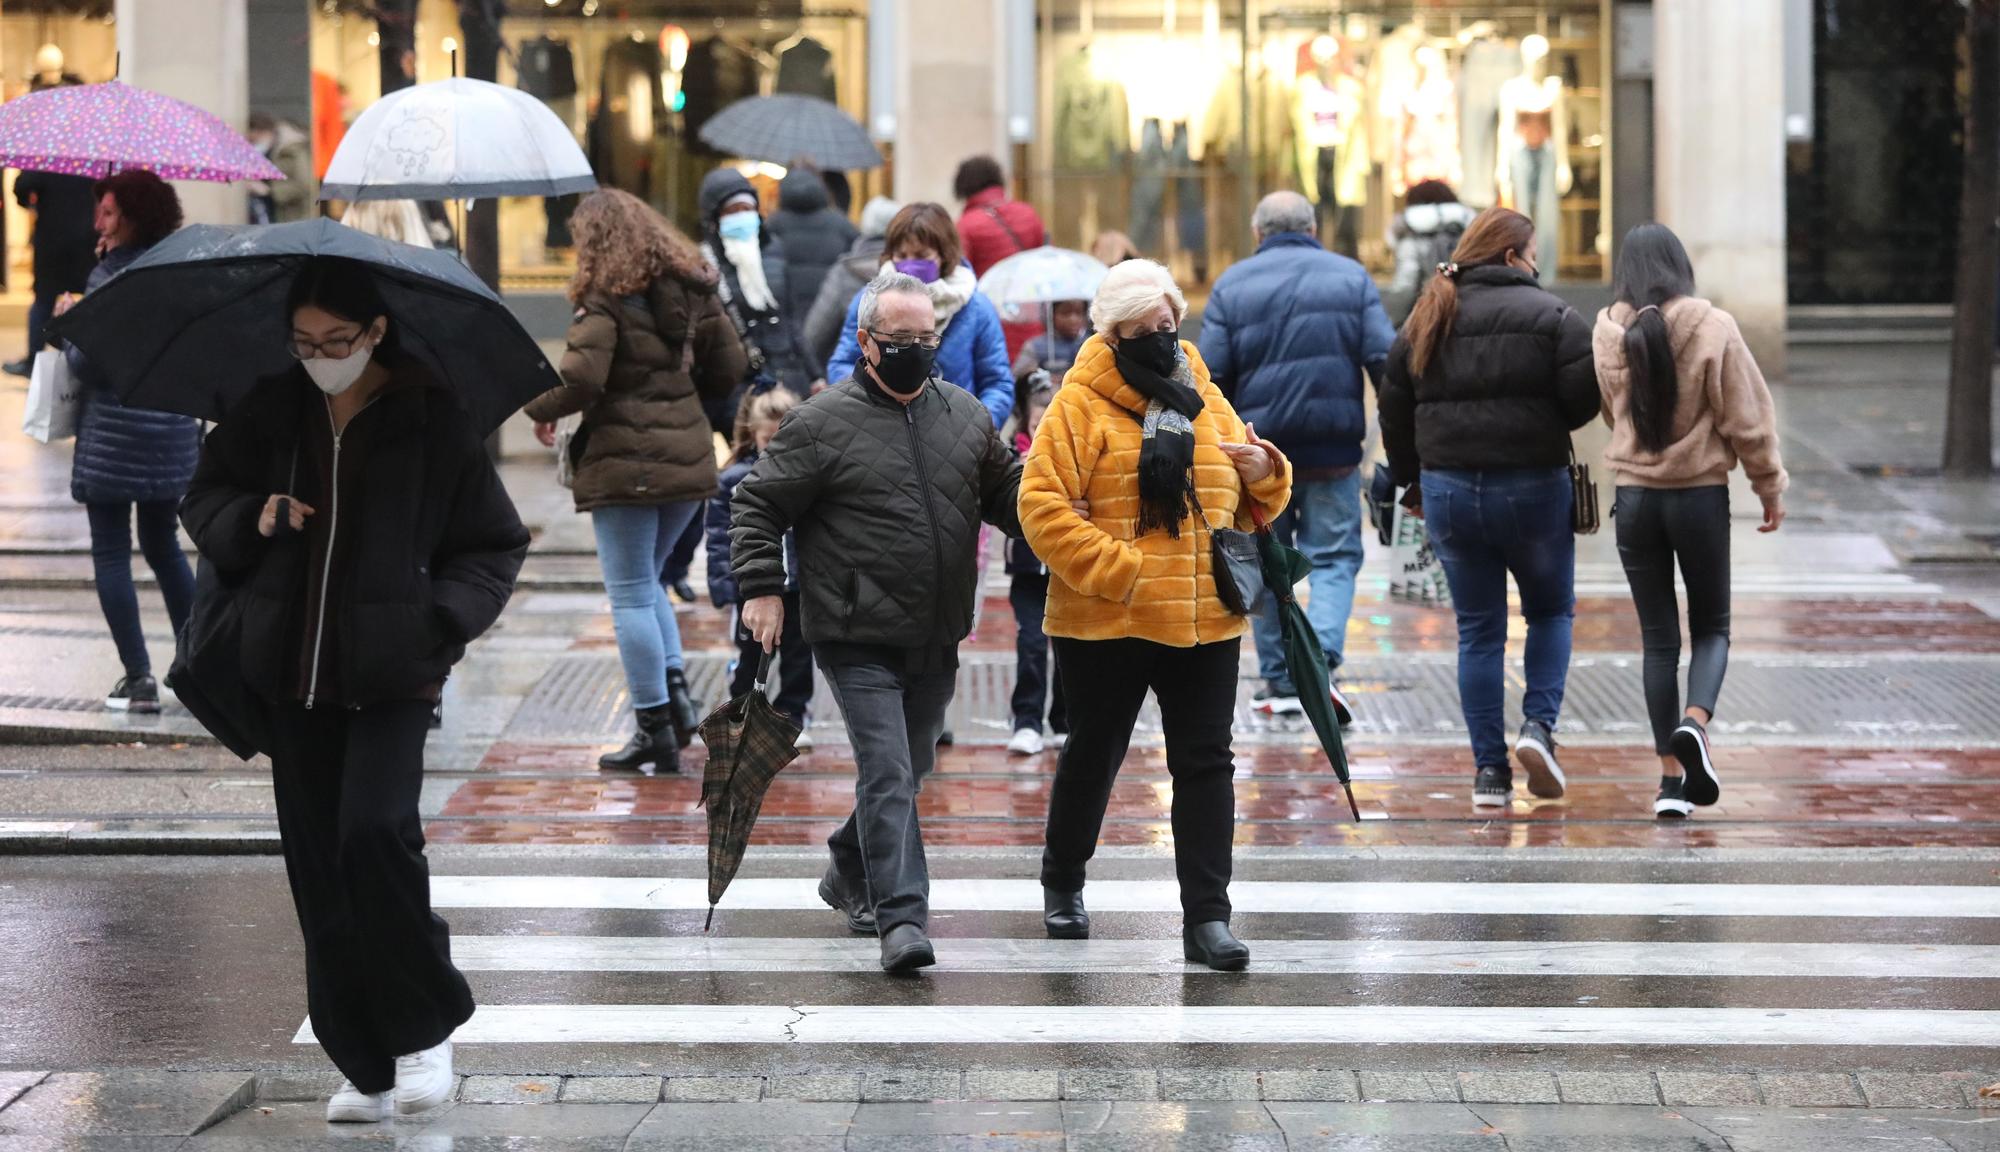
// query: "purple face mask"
[[925, 270]]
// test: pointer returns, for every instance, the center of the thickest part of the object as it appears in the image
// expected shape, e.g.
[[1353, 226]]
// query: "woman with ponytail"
[[1686, 404], [1488, 379]]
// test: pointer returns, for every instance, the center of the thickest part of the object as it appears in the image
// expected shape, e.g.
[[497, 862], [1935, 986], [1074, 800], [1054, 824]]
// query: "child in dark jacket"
[[756, 422], [1029, 594]]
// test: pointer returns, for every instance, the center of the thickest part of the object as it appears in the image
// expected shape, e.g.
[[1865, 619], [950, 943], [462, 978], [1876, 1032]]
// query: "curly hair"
[[976, 175], [622, 245], [149, 204]]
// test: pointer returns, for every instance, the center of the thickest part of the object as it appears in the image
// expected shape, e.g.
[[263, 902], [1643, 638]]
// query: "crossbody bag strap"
[[993, 210]]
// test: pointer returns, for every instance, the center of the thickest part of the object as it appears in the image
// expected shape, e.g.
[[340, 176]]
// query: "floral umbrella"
[[98, 129]]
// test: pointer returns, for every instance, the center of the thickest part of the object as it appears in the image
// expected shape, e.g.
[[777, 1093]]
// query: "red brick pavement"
[[1603, 624], [1801, 797]]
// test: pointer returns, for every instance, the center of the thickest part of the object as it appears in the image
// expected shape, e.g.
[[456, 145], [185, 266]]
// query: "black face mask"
[[904, 370], [1159, 351]]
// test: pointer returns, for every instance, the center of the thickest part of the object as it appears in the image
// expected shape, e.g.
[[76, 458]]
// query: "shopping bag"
[[53, 398], [567, 449], [1415, 574]]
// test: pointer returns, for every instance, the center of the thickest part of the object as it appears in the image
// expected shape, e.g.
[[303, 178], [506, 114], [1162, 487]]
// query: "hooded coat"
[[639, 368], [773, 333], [815, 237]]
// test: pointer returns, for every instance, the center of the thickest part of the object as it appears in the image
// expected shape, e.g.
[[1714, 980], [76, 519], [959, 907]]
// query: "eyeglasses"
[[903, 341], [336, 349]]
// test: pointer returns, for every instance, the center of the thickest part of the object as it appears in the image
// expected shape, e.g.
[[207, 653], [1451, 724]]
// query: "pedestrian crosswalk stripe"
[[1179, 1024], [1272, 957], [1258, 896]]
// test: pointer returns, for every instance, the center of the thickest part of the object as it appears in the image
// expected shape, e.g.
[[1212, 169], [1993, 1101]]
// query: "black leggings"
[[1656, 525]]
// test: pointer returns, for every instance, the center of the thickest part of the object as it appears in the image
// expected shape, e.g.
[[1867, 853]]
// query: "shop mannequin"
[[1427, 135], [1486, 63], [1331, 138], [1534, 170]]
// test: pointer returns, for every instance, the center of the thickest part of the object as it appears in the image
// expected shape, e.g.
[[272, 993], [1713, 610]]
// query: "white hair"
[[1132, 290], [889, 283], [1283, 212]]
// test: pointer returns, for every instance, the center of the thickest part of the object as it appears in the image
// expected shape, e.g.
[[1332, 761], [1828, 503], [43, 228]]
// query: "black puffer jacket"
[[772, 331], [1503, 391], [815, 237], [427, 554], [126, 455], [886, 502]]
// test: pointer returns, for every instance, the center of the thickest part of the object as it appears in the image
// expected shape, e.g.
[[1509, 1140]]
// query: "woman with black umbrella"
[[350, 506]]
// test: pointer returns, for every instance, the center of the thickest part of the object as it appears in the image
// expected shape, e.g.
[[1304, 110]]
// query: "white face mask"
[[337, 376]]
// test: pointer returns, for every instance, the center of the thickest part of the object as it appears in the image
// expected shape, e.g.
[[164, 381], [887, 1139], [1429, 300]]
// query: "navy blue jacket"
[[1286, 334], [721, 581], [127, 455]]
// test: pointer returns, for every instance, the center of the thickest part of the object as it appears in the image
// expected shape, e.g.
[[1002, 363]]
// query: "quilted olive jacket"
[[886, 502]]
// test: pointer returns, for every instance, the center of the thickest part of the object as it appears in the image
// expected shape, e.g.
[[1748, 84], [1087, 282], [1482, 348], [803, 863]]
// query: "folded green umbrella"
[[749, 742], [1306, 661]]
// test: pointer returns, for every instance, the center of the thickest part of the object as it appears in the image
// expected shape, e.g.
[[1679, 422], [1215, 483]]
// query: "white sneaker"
[[804, 743], [424, 1079], [350, 1105], [1026, 742]]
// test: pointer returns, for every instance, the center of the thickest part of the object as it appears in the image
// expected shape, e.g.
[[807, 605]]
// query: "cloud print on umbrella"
[[97, 129], [418, 144]]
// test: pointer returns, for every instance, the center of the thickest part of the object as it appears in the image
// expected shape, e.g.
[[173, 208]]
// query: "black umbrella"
[[1304, 658], [195, 323], [749, 742], [782, 129]]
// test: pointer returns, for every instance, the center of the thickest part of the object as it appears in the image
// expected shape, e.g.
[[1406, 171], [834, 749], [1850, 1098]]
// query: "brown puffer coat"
[[637, 368]]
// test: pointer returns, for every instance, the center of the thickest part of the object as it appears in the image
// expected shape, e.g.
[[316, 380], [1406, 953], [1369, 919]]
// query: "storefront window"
[[42, 45], [635, 80], [1167, 119]]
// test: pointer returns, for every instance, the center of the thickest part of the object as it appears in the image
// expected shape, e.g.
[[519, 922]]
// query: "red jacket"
[[986, 241]]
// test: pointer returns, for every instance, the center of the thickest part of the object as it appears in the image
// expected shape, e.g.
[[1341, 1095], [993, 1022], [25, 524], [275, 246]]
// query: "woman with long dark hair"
[[1686, 404], [351, 506], [1488, 379]]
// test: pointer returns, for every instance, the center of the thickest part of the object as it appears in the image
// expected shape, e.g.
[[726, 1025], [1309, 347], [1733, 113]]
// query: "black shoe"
[[847, 898], [140, 694], [1493, 788], [1213, 945], [905, 948], [650, 749], [946, 739], [1536, 750], [23, 367], [1064, 916], [1276, 700], [1671, 803], [682, 707], [683, 591], [1690, 746]]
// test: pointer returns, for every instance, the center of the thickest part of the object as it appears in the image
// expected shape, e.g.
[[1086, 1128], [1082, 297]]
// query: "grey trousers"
[[894, 719]]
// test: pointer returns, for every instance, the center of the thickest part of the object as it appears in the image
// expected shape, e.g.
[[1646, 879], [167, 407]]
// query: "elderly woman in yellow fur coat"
[[1138, 458]]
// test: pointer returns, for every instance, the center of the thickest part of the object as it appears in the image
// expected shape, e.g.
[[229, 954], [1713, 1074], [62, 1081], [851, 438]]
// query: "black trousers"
[[1105, 682], [1029, 594], [379, 977], [1656, 527], [794, 662]]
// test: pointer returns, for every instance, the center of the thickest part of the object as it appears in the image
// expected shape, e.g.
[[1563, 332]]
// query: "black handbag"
[[1583, 492], [1232, 558]]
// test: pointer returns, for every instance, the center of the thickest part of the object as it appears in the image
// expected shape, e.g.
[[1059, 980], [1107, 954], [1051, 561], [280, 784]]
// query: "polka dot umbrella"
[[98, 129]]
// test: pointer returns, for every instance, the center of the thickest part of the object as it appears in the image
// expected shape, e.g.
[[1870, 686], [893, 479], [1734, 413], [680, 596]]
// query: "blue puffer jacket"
[[1285, 335], [126, 455], [721, 581], [972, 356]]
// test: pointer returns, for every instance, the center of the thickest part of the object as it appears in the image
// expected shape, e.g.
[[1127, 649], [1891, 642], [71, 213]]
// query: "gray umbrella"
[[199, 321], [782, 129]]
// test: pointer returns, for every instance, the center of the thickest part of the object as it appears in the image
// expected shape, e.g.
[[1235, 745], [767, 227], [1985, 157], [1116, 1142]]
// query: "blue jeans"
[[1324, 522], [1485, 525], [632, 544]]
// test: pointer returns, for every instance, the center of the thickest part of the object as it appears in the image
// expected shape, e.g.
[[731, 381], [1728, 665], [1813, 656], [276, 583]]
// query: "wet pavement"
[[1812, 963]]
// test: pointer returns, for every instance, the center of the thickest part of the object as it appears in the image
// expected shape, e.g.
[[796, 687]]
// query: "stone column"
[[951, 98], [195, 51], [1719, 156]]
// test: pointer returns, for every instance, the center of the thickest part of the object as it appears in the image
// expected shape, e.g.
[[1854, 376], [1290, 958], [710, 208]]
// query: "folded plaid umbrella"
[[1304, 658], [749, 743]]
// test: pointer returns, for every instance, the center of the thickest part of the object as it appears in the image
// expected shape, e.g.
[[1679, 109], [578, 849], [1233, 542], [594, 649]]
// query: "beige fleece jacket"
[[1723, 413]]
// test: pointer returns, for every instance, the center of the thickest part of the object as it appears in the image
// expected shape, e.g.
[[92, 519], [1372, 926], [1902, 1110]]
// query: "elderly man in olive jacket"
[[885, 479]]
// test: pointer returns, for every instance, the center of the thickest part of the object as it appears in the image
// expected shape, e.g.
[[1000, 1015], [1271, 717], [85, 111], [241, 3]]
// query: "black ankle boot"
[[682, 707], [1063, 915], [650, 749]]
